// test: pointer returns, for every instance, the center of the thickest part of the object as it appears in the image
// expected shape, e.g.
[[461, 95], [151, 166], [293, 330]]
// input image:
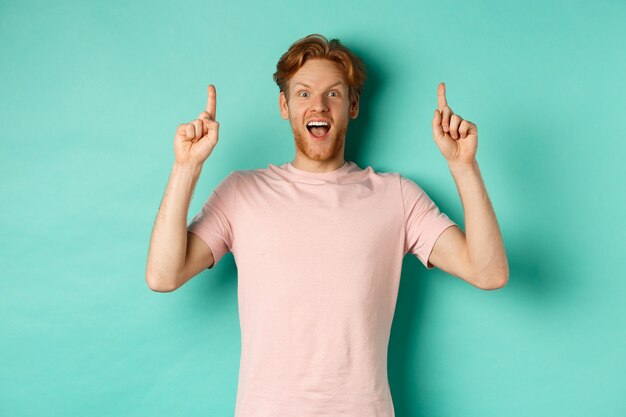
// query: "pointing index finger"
[[441, 95], [210, 102]]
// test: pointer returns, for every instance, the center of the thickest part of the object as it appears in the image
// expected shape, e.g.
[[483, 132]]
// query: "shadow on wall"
[[358, 136], [542, 277], [403, 369]]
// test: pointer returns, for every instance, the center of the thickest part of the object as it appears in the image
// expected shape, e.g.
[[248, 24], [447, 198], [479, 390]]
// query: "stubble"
[[321, 151]]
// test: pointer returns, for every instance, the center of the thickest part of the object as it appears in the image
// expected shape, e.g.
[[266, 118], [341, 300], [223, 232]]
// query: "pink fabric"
[[319, 257]]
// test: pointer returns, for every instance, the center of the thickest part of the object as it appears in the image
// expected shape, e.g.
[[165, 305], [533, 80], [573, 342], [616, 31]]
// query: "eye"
[[303, 94], [333, 94]]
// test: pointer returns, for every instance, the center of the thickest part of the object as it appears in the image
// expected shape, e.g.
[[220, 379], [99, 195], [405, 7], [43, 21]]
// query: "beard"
[[319, 151]]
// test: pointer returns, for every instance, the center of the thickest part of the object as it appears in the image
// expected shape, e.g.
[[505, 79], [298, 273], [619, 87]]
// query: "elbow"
[[494, 277], [493, 281], [158, 284]]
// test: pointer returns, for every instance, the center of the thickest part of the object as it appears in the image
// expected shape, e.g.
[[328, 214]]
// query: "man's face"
[[319, 109]]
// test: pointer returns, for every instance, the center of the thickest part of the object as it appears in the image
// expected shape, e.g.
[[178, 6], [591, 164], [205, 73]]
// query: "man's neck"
[[318, 166]]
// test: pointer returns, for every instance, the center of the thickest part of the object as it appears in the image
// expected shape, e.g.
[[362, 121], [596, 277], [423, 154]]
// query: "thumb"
[[213, 132], [437, 129]]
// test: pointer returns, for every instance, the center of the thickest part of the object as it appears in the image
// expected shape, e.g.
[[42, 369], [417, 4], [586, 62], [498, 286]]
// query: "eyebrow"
[[308, 86]]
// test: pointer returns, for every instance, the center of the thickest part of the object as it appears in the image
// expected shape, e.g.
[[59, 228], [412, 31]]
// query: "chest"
[[317, 227]]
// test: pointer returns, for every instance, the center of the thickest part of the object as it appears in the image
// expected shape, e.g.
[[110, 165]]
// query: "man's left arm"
[[478, 257]]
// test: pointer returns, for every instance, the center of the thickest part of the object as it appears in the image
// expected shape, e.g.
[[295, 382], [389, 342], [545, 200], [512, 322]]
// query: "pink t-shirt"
[[319, 257]]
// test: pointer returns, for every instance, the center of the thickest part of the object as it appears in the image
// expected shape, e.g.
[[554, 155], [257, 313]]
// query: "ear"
[[284, 107], [354, 108]]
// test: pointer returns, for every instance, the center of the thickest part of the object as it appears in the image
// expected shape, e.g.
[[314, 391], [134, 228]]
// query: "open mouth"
[[318, 128]]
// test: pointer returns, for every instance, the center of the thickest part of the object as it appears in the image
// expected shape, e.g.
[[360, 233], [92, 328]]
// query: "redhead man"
[[319, 241]]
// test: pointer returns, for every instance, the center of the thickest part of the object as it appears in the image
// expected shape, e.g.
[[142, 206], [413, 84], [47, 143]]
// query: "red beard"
[[319, 151]]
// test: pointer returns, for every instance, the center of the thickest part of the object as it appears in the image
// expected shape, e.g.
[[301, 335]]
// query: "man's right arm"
[[176, 255]]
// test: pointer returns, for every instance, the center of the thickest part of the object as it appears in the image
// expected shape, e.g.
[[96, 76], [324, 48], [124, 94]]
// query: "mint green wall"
[[90, 99]]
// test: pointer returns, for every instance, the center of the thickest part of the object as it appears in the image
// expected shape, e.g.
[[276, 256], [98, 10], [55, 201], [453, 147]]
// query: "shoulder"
[[404, 183], [249, 176], [249, 179], [389, 177], [411, 191], [395, 182], [408, 185]]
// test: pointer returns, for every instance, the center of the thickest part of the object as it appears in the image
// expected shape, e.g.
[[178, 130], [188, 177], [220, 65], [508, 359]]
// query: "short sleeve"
[[213, 223], [423, 221]]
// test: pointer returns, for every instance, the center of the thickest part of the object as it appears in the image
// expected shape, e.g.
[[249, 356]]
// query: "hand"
[[456, 138], [195, 141]]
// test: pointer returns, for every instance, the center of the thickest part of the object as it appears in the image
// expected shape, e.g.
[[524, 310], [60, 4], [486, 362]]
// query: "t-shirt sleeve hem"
[[214, 244], [436, 231]]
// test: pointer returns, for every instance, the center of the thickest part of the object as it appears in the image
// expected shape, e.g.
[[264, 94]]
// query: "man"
[[319, 241]]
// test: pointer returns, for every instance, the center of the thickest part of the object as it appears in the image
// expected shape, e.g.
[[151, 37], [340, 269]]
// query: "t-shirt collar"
[[322, 175]]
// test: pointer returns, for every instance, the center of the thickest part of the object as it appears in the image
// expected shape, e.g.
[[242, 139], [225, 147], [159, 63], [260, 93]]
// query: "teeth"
[[317, 124]]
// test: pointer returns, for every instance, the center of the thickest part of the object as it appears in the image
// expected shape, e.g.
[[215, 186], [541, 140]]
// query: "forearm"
[[485, 247], [168, 243]]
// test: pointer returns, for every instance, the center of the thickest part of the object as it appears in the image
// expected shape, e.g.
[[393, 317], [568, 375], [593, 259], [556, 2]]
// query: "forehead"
[[319, 72]]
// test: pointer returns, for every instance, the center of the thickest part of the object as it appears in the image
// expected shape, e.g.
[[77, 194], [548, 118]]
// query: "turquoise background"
[[91, 96]]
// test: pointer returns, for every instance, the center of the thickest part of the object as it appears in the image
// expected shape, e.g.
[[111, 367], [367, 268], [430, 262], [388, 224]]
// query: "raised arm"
[[175, 255], [478, 257]]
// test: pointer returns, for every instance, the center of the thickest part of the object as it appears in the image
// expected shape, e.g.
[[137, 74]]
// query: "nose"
[[319, 103]]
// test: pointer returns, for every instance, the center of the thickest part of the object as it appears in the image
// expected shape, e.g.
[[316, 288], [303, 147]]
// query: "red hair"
[[317, 46]]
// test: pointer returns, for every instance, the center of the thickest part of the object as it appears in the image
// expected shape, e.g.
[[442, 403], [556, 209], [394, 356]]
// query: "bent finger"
[[463, 128], [197, 125], [204, 115], [190, 131], [455, 121]]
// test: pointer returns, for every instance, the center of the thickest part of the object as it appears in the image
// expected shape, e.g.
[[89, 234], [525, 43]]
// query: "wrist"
[[183, 168], [187, 165], [463, 166]]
